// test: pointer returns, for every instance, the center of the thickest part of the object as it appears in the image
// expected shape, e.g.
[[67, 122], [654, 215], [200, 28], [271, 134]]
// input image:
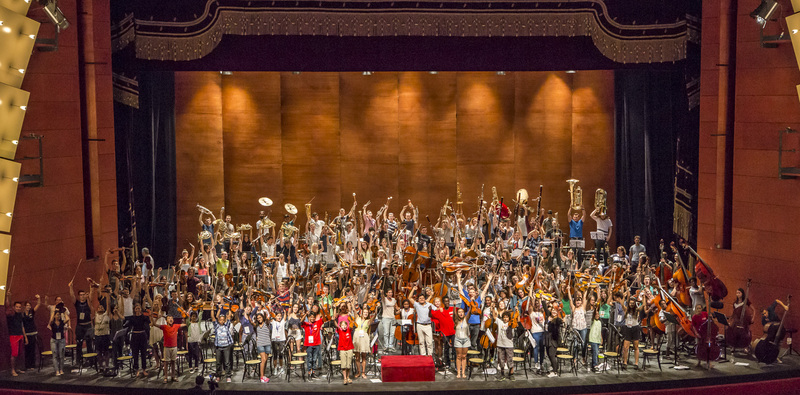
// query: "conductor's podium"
[[397, 368]]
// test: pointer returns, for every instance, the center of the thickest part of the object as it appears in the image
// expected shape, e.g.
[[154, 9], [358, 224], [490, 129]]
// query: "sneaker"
[[501, 378], [511, 377], [552, 374], [228, 380], [263, 379]]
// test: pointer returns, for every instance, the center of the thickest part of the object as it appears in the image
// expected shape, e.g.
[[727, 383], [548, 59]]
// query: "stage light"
[[501, 73], [6, 29], [764, 10], [296, 72], [32, 36], [54, 13], [366, 73], [434, 72], [571, 71], [226, 72]]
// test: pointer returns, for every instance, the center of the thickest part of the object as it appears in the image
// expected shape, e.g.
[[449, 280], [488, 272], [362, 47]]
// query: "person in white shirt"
[[387, 320], [423, 308], [604, 227], [636, 249], [278, 335]]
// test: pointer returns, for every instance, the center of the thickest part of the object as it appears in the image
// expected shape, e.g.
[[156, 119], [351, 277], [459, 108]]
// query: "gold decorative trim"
[[622, 49]]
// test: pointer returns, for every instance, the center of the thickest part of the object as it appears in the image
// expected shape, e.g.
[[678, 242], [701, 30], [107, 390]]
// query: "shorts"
[[15, 340], [632, 334], [265, 349], [347, 359], [461, 343], [170, 354]]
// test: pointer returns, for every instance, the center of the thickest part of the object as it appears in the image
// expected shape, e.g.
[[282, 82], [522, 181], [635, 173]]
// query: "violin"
[[738, 334], [230, 305]]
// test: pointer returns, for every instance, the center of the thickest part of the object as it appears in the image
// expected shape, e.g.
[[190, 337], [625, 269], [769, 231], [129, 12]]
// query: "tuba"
[[600, 202], [575, 195]]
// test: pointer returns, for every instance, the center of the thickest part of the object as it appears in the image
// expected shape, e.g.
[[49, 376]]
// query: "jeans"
[[224, 361], [537, 349], [595, 354], [83, 332], [194, 354], [447, 348], [57, 347], [387, 332], [583, 332], [474, 331], [312, 360]]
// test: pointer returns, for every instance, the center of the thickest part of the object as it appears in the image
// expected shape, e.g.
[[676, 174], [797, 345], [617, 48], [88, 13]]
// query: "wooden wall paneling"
[[251, 113], [199, 153], [310, 149], [427, 141], [368, 107], [593, 161], [544, 136], [485, 139]]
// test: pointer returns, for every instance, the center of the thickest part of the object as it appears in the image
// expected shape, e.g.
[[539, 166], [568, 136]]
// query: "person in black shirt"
[[551, 336], [31, 334], [16, 331], [139, 325], [83, 331]]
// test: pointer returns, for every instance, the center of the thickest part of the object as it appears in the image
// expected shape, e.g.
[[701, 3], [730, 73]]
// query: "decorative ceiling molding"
[[196, 32]]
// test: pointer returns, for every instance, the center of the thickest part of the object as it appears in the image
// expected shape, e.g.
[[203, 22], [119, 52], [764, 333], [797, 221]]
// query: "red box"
[[398, 368]]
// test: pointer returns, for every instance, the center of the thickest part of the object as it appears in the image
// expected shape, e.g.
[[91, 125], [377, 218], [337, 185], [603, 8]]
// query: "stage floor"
[[586, 382]]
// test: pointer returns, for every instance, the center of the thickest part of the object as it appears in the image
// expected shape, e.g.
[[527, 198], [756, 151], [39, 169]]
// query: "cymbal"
[[265, 201], [290, 208]]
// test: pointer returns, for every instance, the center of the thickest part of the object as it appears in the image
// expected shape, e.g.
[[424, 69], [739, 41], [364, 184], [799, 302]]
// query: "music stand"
[[724, 321], [672, 319]]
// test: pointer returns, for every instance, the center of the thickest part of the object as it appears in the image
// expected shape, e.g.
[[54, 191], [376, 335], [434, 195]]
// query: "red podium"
[[397, 368]]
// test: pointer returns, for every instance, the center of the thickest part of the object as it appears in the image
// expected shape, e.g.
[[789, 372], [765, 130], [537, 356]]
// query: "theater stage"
[[725, 378]]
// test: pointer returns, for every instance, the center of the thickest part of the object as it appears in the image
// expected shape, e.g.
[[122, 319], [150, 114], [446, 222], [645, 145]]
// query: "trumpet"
[[600, 205], [575, 195]]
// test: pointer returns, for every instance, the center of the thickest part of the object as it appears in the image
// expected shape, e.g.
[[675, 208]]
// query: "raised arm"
[[486, 286]]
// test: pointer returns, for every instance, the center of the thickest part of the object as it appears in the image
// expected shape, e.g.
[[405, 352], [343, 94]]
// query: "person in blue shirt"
[[472, 304]]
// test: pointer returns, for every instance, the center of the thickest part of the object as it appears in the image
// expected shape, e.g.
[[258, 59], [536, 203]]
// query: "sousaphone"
[[265, 201]]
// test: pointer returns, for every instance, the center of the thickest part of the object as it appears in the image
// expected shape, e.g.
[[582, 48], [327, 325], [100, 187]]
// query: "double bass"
[[707, 348], [738, 334], [681, 277], [703, 272], [767, 348]]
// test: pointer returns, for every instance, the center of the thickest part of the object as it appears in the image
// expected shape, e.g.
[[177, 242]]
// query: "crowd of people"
[[499, 284]]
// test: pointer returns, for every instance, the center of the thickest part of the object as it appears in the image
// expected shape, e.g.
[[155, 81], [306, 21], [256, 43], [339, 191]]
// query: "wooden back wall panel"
[[409, 135]]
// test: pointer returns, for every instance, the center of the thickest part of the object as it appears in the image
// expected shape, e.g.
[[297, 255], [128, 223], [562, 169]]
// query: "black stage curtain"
[[145, 147], [651, 109]]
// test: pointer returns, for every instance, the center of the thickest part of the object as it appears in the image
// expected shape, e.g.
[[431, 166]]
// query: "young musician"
[[194, 336], [139, 327], [16, 331], [31, 334], [345, 347], [170, 330], [424, 331], [461, 342], [223, 342], [83, 330], [442, 316], [471, 303], [263, 343], [505, 346], [387, 317], [361, 337], [312, 328], [58, 342]]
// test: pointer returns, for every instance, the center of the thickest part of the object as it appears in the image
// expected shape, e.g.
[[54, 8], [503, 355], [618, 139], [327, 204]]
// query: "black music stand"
[[724, 321], [674, 321]]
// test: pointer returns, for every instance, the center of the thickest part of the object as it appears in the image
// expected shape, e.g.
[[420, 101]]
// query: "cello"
[[738, 334], [767, 348]]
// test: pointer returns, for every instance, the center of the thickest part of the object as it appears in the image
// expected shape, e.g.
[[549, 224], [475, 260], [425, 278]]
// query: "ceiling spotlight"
[[55, 14], [23, 108], [794, 31], [501, 73], [226, 72], [296, 72], [571, 71], [15, 179], [366, 73], [6, 29], [2, 287], [764, 10], [9, 215], [434, 72], [21, 71], [32, 36], [5, 252]]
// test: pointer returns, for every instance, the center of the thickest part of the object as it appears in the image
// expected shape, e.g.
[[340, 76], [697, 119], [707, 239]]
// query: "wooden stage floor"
[[638, 381]]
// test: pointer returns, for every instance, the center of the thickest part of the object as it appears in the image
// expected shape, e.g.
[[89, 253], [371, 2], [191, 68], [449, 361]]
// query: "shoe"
[[263, 379], [228, 380], [552, 374], [501, 378], [511, 377]]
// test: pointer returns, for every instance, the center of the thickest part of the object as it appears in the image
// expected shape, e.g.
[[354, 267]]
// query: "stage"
[[724, 378]]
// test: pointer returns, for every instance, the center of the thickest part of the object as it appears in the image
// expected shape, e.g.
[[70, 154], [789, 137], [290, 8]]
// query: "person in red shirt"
[[170, 345], [312, 329], [442, 317], [345, 349]]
